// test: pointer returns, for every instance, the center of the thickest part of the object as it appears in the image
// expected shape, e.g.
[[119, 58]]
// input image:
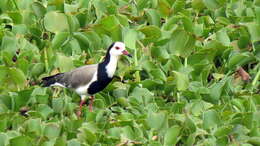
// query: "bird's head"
[[118, 48]]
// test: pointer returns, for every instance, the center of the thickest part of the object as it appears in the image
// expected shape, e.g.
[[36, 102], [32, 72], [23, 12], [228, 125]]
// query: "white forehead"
[[119, 44]]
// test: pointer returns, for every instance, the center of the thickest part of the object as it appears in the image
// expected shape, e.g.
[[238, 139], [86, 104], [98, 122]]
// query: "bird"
[[88, 80]]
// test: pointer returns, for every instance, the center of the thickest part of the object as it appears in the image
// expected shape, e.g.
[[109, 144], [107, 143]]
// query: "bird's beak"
[[126, 53]]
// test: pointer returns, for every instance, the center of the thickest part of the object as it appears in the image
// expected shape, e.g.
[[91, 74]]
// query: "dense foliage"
[[193, 80]]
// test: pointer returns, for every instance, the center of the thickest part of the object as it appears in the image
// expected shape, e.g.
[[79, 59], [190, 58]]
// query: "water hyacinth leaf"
[[20, 140], [73, 142], [128, 132], [88, 136], [58, 105], [73, 23], [189, 123], [71, 8], [188, 24], [130, 38], [160, 52], [181, 43], [178, 6], [191, 139], [254, 31], [210, 119], [223, 37], [64, 63], [164, 8], [3, 73], [171, 136], [34, 125], [38, 9], [152, 33], [17, 76], [254, 140], [239, 59], [59, 39], [158, 74], [109, 23], [182, 81], [257, 12], [216, 91], [16, 17], [156, 120], [153, 17], [20, 29], [3, 139], [198, 4], [211, 4], [223, 131], [51, 130], [44, 110], [82, 39], [60, 23], [22, 98], [37, 69]]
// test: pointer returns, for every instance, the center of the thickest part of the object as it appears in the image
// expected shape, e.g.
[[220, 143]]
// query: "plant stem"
[[46, 59], [256, 77], [185, 62], [15, 4]]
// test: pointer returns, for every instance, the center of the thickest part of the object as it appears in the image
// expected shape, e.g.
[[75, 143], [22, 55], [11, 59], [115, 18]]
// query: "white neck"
[[111, 66]]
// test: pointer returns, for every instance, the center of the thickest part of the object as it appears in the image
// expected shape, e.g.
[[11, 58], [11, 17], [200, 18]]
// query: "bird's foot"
[[78, 113], [91, 103], [82, 102]]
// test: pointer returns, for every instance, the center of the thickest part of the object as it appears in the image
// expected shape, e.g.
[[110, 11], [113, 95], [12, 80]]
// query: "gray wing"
[[80, 76]]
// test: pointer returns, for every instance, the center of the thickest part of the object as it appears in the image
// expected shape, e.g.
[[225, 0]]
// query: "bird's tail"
[[51, 80]]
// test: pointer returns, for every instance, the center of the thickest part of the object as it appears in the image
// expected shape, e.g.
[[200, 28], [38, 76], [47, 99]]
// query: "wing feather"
[[80, 76]]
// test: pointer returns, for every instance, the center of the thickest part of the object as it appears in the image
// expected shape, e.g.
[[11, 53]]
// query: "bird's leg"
[[82, 102], [91, 103]]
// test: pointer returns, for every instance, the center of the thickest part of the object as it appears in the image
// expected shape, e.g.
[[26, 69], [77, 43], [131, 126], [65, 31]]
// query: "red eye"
[[117, 48]]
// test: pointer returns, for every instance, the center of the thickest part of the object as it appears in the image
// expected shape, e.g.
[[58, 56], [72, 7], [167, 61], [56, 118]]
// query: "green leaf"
[[73, 142], [22, 98], [223, 37], [17, 76], [211, 4], [182, 81], [210, 119], [254, 31], [64, 63], [254, 140], [38, 9], [21, 141], [44, 110], [223, 131], [171, 136], [60, 23], [3, 139], [52, 130], [109, 22], [59, 39], [198, 4], [130, 38], [239, 59], [158, 74], [153, 17], [34, 125], [216, 91], [156, 120], [58, 105], [181, 43], [152, 33], [37, 69]]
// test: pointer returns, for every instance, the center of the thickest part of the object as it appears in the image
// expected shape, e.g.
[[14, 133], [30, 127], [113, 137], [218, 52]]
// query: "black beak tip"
[[129, 55]]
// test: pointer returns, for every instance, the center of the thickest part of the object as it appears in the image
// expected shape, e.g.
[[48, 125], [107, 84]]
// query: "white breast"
[[111, 66], [82, 90]]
